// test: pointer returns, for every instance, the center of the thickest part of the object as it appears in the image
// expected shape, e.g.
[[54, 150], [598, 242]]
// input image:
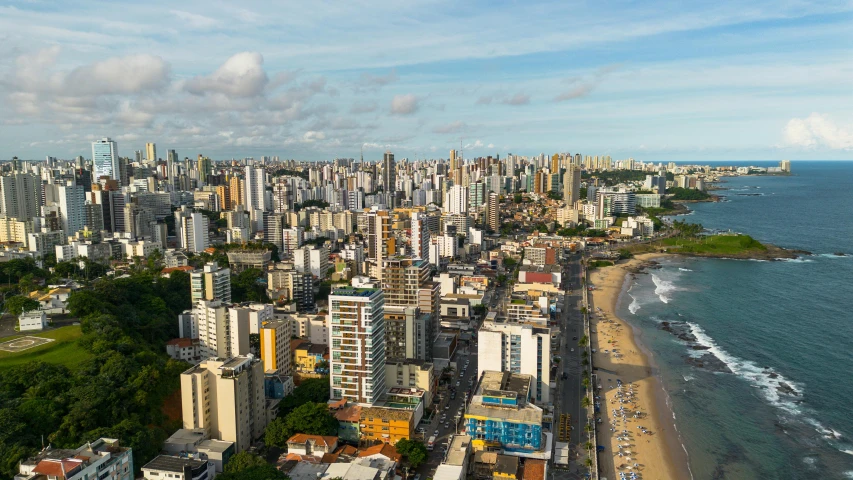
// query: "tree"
[[517, 198], [18, 304], [310, 390], [310, 418], [584, 341], [414, 451], [276, 433], [243, 461], [588, 445], [585, 402]]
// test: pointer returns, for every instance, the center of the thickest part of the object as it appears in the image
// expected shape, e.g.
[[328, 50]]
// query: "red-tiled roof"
[[317, 439], [351, 413], [381, 449], [169, 270], [534, 469], [58, 468], [183, 342]]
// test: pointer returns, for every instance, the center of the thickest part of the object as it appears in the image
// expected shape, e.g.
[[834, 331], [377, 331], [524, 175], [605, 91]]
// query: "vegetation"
[[510, 262], [584, 341], [282, 172], [599, 263], [585, 402], [311, 418], [247, 466], [63, 350], [414, 452], [714, 245], [18, 304], [116, 384], [624, 254], [555, 195], [310, 390], [247, 287], [316, 241], [678, 193], [480, 309]]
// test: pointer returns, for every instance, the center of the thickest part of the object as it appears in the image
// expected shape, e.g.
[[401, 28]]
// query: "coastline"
[[660, 454]]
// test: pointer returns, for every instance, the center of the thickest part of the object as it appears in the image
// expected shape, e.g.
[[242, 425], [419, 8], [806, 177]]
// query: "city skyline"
[[650, 81]]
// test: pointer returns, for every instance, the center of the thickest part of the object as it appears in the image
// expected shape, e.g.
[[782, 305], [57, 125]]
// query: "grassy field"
[[64, 350], [714, 245]]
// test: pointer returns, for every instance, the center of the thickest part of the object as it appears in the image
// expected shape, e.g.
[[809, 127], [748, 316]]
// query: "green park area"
[[64, 350], [713, 245]]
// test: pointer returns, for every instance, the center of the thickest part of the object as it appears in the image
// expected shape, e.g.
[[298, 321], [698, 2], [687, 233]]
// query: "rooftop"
[[507, 465], [386, 413], [169, 463], [323, 440], [458, 450]]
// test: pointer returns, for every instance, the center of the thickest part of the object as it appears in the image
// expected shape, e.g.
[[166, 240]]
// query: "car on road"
[[457, 383], [573, 349], [574, 338], [436, 432]]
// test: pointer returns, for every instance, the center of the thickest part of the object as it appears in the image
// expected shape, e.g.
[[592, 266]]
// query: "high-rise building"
[[171, 160], [494, 218], [456, 200], [211, 283], [572, 185], [192, 230], [389, 178], [275, 347], [105, 160], [151, 153], [220, 334], [72, 211], [225, 397], [255, 189], [419, 237], [381, 242], [357, 321], [407, 333], [517, 347], [20, 196]]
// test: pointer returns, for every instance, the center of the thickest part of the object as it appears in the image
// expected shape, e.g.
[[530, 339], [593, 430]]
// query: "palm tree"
[[588, 462], [585, 402], [588, 445], [588, 427]]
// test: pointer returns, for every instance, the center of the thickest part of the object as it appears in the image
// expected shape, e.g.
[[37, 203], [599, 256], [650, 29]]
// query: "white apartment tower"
[[456, 200], [420, 236], [517, 347], [221, 332], [72, 210], [357, 343], [105, 160]]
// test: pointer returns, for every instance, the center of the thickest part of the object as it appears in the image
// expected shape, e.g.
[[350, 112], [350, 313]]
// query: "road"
[[451, 408]]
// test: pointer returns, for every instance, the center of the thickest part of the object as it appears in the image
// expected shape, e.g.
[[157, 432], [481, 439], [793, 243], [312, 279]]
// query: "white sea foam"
[[634, 306], [755, 375], [797, 260], [663, 288], [684, 269], [688, 378], [759, 378]]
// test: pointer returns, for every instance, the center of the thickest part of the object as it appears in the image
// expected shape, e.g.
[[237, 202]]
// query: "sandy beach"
[[633, 413]]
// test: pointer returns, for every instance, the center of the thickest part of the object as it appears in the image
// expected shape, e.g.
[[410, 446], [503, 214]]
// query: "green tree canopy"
[[243, 461], [414, 451], [310, 418], [18, 304], [310, 390]]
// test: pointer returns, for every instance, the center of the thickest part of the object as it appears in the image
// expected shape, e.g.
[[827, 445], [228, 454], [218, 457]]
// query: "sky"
[[722, 80]]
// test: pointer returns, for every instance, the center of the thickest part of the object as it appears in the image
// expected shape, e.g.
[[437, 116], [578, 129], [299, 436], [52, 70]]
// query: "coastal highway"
[[569, 390]]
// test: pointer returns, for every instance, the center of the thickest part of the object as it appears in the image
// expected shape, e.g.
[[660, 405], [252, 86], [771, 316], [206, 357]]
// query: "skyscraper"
[[357, 320], [572, 184], [171, 160], [456, 200], [72, 199], [211, 283], [151, 153], [389, 178], [420, 236], [20, 196], [105, 159], [494, 215]]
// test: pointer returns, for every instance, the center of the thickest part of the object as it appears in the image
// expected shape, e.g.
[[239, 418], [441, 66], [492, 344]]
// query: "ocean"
[[757, 357]]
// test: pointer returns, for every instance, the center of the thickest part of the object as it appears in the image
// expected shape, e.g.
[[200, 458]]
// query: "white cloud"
[[818, 130], [242, 75], [454, 127], [194, 20], [517, 99], [404, 104], [312, 136]]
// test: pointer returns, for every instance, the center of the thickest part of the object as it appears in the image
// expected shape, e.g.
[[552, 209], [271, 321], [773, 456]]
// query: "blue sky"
[[318, 80]]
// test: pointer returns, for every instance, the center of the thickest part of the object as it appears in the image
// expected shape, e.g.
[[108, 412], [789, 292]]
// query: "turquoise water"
[[767, 390]]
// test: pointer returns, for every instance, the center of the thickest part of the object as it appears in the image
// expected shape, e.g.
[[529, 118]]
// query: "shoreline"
[[658, 453]]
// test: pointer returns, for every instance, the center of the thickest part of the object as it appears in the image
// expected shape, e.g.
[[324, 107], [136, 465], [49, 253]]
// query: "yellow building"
[[386, 424], [275, 347], [307, 355]]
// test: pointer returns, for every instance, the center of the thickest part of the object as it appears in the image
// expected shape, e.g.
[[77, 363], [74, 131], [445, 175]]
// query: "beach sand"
[[659, 453]]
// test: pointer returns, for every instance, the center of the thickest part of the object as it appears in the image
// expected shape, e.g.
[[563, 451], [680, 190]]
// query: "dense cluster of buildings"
[[406, 255]]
